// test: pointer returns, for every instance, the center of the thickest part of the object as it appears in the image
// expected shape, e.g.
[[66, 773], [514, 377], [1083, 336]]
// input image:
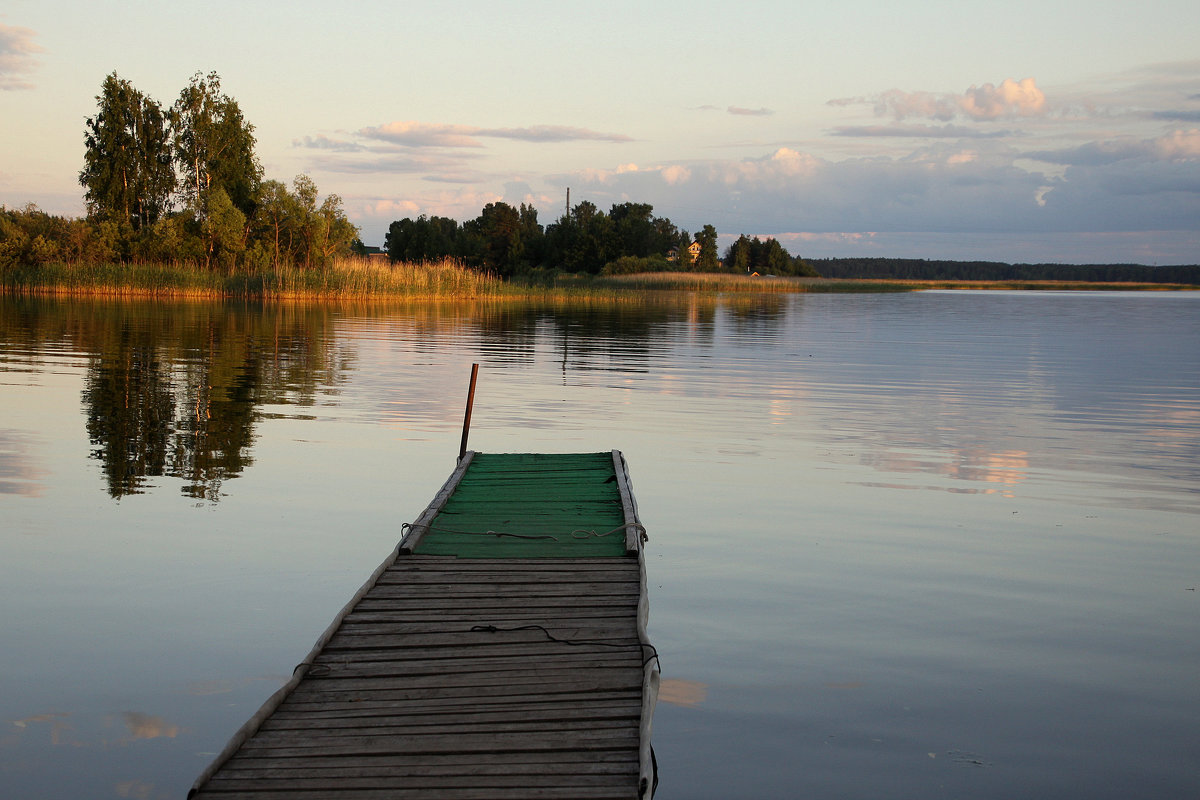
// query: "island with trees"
[[177, 203]]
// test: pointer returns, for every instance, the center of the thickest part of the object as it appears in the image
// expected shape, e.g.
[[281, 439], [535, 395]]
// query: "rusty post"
[[462, 448]]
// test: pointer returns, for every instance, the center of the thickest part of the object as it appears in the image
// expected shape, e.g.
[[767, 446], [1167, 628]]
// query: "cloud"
[[325, 143], [942, 187], [17, 56], [552, 133], [424, 134], [675, 174], [980, 103], [919, 132], [1010, 99], [1177, 145], [749, 112], [1177, 116]]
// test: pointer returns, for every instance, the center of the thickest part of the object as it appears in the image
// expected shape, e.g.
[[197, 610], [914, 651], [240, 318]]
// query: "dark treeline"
[[179, 184], [921, 269], [629, 238]]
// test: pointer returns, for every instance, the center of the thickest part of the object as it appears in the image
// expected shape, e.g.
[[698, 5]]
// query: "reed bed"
[[346, 278], [369, 279]]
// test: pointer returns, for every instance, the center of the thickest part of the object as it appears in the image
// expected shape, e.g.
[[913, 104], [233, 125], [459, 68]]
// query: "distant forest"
[[922, 269]]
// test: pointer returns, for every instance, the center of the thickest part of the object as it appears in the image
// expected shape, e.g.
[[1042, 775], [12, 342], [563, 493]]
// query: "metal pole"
[[462, 448]]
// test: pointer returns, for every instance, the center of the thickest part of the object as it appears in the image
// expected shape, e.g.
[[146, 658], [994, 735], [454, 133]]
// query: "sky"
[[1049, 131]]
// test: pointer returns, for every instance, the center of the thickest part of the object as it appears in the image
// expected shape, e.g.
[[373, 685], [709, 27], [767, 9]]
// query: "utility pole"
[[568, 214]]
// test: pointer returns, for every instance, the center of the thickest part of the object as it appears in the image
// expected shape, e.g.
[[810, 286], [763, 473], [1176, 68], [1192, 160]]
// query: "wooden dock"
[[500, 652]]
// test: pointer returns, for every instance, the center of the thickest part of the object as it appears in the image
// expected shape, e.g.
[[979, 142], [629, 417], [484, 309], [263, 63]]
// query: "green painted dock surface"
[[531, 505], [499, 653]]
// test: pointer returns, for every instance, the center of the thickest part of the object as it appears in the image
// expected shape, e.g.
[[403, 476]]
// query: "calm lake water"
[[901, 546]]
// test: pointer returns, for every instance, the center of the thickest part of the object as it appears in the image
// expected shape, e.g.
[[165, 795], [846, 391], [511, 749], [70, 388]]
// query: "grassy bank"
[[350, 278], [363, 278], [376, 279]]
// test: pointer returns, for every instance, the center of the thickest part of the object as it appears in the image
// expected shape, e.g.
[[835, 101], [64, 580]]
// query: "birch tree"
[[127, 174], [213, 147]]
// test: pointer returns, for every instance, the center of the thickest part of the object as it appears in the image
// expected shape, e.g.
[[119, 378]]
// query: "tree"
[[776, 258], [213, 147], [338, 234], [272, 214], [533, 239], [738, 257], [498, 231], [634, 233], [707, 261], [684, 256], [224, 230], [127, 175], [746, 255], [424, 239]]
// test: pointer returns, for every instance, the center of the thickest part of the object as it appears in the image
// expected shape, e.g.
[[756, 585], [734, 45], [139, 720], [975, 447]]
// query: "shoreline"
[[360, 279]]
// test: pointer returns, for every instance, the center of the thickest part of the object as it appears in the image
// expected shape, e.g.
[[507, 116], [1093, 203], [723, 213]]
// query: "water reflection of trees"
[[627, 335], [176, 389]]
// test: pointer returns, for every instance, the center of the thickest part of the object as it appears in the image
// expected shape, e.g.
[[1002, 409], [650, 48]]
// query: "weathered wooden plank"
[[579, 681], [415, 663], [510, 589], [324, 783], [428, 726], [437, 705], [486, 793], [396, 576], [546, 759], [304, 744], [433, 563], [394, 715], [349, 641], [562, 633], [453, 695], [332, 717], [456, 673], [372, 768], [401, 613]]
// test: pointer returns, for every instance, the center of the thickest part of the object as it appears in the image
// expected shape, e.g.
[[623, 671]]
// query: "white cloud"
[[552, 133], [749, 112], [919, 132], [17, 56], [675, 174], [988, 102], [1010, 99], [322, 142], [424, 134]]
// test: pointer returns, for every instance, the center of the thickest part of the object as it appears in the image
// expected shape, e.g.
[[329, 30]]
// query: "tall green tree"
[[337, 234], [707, 261], [272, 214], [213, 146], [498, 229], [127, 174], [634, 232]]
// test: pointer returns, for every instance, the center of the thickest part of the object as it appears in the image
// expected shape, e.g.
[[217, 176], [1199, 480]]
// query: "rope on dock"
[[573, 642], [578, 533]]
